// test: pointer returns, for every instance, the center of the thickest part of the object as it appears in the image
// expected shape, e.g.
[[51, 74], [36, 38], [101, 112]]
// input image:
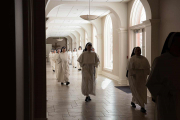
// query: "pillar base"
[[123, 82]]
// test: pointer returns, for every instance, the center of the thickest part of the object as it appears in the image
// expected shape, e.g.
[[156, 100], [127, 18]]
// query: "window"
[[95, 39], [138, 13], [139, 39], [108, 43], [86, 38]]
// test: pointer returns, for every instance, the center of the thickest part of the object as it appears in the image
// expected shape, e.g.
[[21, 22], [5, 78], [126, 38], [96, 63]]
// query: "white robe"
[[138, 69], [63, 70], [50, 57], [164, 85], [56, 57], [53, 61], [79, 52], [74, 59], [88, 61], [70, 57]]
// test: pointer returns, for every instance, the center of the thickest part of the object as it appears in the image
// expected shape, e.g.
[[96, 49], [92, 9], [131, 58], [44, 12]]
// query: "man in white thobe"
[[53, 60], [74, 58], [164, 80], [79, 52], [63, 70], [139, 69], [70, 56], [88, 61], [50, 54], [56, 57]]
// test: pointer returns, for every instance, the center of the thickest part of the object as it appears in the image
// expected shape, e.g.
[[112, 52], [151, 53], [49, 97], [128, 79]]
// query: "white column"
[[152, 39], [123, 47], [82, 43], [89, 39], [99, 51]]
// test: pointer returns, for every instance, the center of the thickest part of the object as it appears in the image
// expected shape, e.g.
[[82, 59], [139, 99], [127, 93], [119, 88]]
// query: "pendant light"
[[89, 17]]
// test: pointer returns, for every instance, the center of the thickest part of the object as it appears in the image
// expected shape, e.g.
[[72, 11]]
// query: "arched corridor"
[[34, 28]]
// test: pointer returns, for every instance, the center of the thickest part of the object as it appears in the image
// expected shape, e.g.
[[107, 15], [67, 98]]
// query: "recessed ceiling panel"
[[68, 21], [58, 21]]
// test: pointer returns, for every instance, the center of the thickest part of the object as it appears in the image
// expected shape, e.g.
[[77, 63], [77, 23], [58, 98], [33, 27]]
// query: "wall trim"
[[111, 76], [107, 69], [123, 82]]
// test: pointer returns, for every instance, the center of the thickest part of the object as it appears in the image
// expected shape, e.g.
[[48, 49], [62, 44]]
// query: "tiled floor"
[[110, 103]]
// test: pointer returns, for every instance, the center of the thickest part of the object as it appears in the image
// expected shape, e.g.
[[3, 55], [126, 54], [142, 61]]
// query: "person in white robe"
[[79, 52], [74, 58], [88, 61], [53, 60], [56, 57], [50, 54], [164, 80], [138, 70], [63, 70], [70, 56], [98, 64]]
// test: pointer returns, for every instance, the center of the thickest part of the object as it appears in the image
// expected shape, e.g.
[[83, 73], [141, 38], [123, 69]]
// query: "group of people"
[[73, 56], [60, 65], [163, 81], [86, 60]]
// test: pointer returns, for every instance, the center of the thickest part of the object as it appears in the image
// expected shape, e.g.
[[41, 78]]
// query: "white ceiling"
[[75, 11], [70, 14]]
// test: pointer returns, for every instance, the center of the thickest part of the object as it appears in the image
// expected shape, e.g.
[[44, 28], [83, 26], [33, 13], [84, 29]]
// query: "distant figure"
[[50, 55], [88, 61], [132, 54], [139, 69], [74, 58], [164, 80], [51, 60], [56, 57], [79, 52], [70, 56], [63, 71]]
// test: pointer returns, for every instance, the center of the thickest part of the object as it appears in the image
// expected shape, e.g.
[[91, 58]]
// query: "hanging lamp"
[[89, 17]]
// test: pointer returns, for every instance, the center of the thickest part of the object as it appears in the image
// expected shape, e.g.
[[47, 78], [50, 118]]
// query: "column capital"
[[150, 22], [98, 36], [120, 30]]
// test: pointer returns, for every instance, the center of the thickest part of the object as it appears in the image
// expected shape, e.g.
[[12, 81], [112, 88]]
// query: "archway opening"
[[138, 16]]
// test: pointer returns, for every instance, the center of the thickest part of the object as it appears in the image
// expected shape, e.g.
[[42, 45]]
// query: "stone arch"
[[146, 7]]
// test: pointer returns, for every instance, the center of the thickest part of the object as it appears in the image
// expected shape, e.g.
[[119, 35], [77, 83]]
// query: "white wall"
[[170, 19]]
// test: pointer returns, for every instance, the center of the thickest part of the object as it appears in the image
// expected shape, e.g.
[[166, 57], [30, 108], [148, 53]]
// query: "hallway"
[[110, 103]]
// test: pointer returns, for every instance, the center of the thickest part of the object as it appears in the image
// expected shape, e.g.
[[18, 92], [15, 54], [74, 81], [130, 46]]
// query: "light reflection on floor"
[[105, 83]]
